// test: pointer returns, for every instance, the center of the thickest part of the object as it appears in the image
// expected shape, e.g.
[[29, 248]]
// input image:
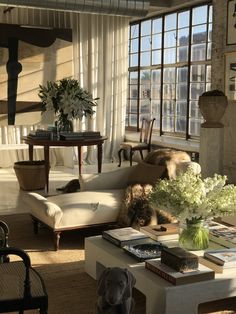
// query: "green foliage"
[[68, 98]]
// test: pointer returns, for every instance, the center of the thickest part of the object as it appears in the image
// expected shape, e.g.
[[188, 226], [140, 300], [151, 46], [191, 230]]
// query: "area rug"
[[70, 289]]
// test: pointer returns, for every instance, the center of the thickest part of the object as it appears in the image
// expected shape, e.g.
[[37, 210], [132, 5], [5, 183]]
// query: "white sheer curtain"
[[100, 53]]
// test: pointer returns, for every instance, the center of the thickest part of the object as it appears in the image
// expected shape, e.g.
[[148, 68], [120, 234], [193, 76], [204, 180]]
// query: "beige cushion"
[[76, 209], [146, 173]]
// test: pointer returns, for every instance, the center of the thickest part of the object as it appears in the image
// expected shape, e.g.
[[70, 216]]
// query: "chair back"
[[146, 131], [4, 232]]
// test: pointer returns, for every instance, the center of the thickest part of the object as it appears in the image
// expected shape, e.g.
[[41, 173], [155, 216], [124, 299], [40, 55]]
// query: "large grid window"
[[169, 68]]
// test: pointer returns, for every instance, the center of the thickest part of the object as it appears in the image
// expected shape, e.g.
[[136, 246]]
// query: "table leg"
[[47, 165], [99, 146], [80, 158], [31, 147]]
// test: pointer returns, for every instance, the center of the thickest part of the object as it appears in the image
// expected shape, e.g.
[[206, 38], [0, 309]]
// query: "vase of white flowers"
[[194, 201], [68, 100]]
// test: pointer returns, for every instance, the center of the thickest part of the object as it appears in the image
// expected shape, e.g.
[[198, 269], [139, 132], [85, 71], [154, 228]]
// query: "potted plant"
[[212, 105], [194, 201], [68, 100]]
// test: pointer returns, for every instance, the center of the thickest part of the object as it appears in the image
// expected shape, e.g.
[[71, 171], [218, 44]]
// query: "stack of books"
[[222, 234], [165, 232], [79, 135], [219, 260], [179, 266], [40, 134], [124, 236]]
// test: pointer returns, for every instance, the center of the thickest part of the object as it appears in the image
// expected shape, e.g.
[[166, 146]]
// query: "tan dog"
[[169, 158], [135, 210]]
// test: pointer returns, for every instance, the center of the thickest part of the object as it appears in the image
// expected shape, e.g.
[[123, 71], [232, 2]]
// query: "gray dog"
[[115, 291]]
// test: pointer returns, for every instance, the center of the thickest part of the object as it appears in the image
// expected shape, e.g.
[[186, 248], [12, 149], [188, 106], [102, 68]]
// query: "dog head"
[[141, 213], [115, 285]]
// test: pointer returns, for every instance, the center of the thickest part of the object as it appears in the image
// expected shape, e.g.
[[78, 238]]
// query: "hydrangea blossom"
[[189, 196]]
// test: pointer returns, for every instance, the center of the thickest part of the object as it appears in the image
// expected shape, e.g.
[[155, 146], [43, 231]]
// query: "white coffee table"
[[161, 296]]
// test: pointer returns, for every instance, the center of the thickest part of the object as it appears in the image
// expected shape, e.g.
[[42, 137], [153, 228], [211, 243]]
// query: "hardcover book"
[[206, 262], [224, 257], [162, 232], [144, 251], [222, 234], [124, 236], [179, 278]]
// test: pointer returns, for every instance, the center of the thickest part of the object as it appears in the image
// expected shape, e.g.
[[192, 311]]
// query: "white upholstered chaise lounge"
[[98, 202]]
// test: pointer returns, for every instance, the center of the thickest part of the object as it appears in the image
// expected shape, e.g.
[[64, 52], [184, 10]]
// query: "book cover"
[[206, 262], [225, 257], [162, 232], [123, 236], [222, 234], [144, 251], [179, 278]]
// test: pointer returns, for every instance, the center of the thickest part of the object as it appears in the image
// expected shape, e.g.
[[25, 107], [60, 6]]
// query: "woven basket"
[[30, 174]]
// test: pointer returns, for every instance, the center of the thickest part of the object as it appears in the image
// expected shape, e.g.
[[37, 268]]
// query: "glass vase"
[[194, 234], [64, 124]]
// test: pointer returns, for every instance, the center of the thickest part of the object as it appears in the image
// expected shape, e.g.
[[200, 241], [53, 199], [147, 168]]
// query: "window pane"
[[210, 14], [134, 31], [183, 37], [181, 108], [170, 39], [146, 28], [182, 74], [198, 52], [145, 77], [182, 54], [133, 120], [209, 51], [170, 21], [156, 57], [169, 75], [133, 60], [180, 124], [145, 43], [197, 73], [156, 92], [156, 41], [183, 19], [196, 89], [156, 109], [208, 73], [133, 75], [194, 127], [145, 92], [169, 91], [169, 56], [168, 124], [168, 108], [145, 107], [134, 45], [194, 110], [200, 15], [181, 91], [133, 106], [157, 26], [210, 32], [156, 77], [133, 92], [199, 34], [145, 59]]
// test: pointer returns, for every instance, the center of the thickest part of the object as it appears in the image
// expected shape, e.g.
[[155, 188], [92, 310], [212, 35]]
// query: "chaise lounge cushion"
[[76, 209]]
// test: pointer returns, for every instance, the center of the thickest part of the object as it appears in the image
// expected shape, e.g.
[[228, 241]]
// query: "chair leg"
[[57, 235], [131, 157], [36, 226], [119, 154], [141, 154]]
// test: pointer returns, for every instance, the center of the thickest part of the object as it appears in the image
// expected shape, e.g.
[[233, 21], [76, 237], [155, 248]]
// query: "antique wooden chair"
[[21, 287], [143, 144]]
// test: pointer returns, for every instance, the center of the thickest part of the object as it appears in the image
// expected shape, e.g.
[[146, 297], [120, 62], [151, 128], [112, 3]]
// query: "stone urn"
[[212, 105]]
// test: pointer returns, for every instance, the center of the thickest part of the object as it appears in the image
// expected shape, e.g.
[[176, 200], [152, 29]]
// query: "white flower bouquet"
[[193, 201], [67, 99]]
